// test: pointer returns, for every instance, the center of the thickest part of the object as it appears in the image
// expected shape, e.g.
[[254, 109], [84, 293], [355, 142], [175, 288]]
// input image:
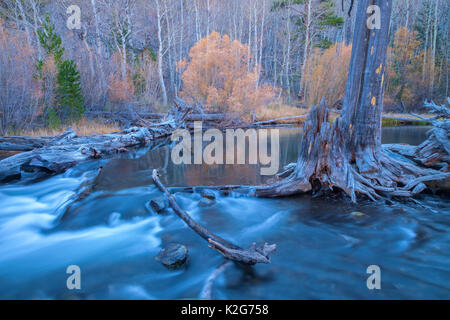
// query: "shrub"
[[218, 75], [326, 75]]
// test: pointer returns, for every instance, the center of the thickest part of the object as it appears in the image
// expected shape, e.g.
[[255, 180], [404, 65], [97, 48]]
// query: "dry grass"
[[407, 115], [279, 111], [82, 128]]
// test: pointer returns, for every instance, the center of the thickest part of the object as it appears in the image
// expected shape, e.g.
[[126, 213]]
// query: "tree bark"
[[160, 54], [347, 154]]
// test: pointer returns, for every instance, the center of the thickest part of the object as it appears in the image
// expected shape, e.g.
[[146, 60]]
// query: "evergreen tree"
[[50, 40], [68, 91], [69, 97], [320, 17]]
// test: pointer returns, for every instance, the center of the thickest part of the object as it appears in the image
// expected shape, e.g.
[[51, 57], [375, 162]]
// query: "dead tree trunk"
[[347, 154]]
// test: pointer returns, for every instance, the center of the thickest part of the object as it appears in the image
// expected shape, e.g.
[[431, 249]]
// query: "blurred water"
[[323, 250]]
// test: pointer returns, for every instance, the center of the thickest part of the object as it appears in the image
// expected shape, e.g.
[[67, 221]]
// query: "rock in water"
[[158, 205], [208, 194], [174, 256]]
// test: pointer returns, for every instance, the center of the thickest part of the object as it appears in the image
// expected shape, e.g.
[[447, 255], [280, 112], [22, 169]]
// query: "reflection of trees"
[[123, 173]]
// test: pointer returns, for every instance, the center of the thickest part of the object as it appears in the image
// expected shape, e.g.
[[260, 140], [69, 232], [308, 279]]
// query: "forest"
[[215, 150], [136, 56]]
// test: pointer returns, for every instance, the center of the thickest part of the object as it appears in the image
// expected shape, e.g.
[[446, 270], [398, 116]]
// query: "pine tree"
[[68, 91], [69, 97], [322, 16], [50, 40]]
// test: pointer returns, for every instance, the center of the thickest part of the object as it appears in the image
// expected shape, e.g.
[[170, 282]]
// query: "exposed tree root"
[[229, 250], [326, 163]]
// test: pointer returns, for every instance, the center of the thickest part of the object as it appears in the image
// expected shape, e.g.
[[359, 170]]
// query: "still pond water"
[[323, 250]]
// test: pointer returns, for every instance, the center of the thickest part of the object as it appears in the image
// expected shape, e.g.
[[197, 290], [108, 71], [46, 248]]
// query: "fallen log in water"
[[21, 143], [435, 151], [407, 120], [65, 151], [124, 117], [229, 250], [278, 120]]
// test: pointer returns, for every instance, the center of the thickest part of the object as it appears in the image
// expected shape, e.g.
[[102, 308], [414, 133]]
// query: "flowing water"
[[112, 235]]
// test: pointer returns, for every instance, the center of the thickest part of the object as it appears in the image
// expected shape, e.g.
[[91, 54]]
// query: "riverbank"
[[272, 116], [85, 127], [114, 236]]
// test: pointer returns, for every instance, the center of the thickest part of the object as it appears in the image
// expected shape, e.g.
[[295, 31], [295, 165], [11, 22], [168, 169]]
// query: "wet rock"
[[208, 194], [174, 256], [158, 205], [10, 175], [205, 202], [358, 214]]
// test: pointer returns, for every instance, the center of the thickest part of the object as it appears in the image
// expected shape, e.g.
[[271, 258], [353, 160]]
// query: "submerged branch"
[[229, 250], [206, 293]]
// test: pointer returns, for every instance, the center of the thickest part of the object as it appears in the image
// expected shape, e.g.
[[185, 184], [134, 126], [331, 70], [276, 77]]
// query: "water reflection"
[[413, 135], [323, 250], [123, 173]]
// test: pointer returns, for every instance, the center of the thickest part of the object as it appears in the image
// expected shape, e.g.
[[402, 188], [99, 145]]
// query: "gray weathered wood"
[[229, 250], [65, 151]]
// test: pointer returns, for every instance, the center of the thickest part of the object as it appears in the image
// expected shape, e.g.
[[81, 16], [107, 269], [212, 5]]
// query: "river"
[[323, 250]]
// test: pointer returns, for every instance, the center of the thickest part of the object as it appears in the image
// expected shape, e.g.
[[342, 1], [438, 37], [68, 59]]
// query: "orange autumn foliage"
[[120, 90], [404, 76], [326, 75], [218, 75], [20, 92]]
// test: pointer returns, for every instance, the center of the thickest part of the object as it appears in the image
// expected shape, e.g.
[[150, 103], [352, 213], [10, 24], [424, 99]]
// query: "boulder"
[[208, 194], [174, 256], [158, 205]]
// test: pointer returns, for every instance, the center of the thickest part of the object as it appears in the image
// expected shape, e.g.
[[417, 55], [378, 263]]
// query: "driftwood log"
[[407, 120], [229, 250], [296, 119], [50, 156], [435, 151], [22, 143]]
